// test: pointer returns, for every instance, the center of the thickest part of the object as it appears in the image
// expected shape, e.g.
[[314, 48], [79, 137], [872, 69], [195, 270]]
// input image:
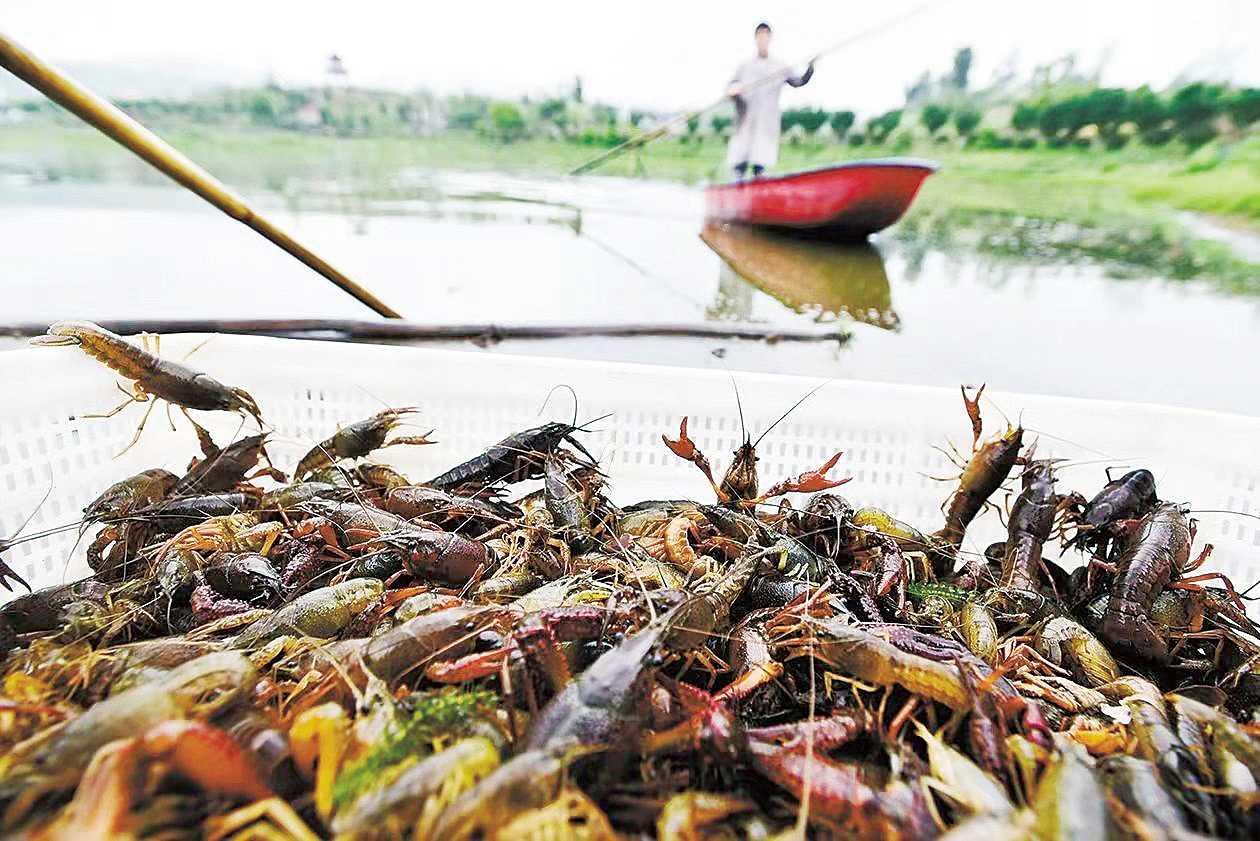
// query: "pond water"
[[945, 297]]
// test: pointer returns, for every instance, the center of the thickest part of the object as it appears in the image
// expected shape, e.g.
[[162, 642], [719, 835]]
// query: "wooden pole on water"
[[110, 120], [351, 329]]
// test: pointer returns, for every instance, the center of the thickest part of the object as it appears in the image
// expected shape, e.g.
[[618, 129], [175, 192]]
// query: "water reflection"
[[1123, 249], [734, 298], [820, 279]]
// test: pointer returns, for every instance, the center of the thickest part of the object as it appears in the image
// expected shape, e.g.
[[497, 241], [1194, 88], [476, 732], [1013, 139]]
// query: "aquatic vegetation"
[[436, 717]]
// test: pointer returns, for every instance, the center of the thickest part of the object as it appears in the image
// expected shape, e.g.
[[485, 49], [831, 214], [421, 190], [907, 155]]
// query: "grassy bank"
[[1084, 186]]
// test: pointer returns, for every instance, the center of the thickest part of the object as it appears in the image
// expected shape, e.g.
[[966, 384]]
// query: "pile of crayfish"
[[345, 651]]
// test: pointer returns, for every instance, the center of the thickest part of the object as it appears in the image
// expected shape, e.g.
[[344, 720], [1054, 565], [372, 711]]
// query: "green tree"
[[262, 111], [989, 139], [613, 137], [720, 124], [295, 99], [1025, 116], [1160, 136], [465, 112], [1194, 110], [892, 119], [810, 119], [841, 122], [1197, 134], [554, 111], [1244, 107], [693, 124], [965, 120], [1147, 111], [1107, 108], [1052, 121], [934, 117], [878, 128], [507, 124], [1063, 119], [1115, 141], [961, 73]]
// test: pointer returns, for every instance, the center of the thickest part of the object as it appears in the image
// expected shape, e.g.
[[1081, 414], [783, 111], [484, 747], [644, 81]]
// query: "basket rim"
[[17, 356]]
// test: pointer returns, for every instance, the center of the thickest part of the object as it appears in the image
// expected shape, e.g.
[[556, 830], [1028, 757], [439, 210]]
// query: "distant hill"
[[165, 80]]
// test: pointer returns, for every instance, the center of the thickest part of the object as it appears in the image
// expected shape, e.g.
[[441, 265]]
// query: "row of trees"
[[351, 111], [1062, 103], [1194, 114], [343, 111], [1069, 111], [879, 128]]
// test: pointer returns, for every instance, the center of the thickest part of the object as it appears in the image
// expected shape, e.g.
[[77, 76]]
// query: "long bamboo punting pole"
[[772, 78], [91, 108]]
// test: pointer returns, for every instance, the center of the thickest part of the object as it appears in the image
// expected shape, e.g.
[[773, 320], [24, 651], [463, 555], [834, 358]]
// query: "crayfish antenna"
[[743, 430], [556, 388], [790, 410], [594, 462], [7, 572]]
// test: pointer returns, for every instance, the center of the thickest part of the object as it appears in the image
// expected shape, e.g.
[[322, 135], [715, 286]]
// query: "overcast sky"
[[662, 54]]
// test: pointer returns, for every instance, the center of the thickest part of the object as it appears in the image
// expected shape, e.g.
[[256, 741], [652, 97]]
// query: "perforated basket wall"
[[889, 434]]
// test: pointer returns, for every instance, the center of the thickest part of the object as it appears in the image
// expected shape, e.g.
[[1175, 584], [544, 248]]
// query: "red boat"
[[846, 202]]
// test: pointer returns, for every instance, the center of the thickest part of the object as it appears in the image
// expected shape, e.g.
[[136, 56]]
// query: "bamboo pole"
[[485, 333], [110, 120]]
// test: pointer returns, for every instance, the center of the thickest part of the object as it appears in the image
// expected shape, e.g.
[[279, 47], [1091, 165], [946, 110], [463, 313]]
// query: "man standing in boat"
[[755, 89]]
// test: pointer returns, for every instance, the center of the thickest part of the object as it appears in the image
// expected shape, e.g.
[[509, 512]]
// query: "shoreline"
[[1134, 189]]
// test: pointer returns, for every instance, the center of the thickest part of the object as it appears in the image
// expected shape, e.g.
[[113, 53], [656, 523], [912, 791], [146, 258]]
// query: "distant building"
[[332, 99], [335, 74]]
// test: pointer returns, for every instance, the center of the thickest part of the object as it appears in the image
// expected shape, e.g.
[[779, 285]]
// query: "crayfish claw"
[[7, 572], [816, 480], [415, 440], [684, 447], [973, 412], [811, 481]]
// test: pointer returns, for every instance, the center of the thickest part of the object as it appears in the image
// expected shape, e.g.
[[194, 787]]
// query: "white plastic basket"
[[888, 433]]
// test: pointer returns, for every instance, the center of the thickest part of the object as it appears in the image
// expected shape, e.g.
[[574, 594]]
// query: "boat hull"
[[846, 202]]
